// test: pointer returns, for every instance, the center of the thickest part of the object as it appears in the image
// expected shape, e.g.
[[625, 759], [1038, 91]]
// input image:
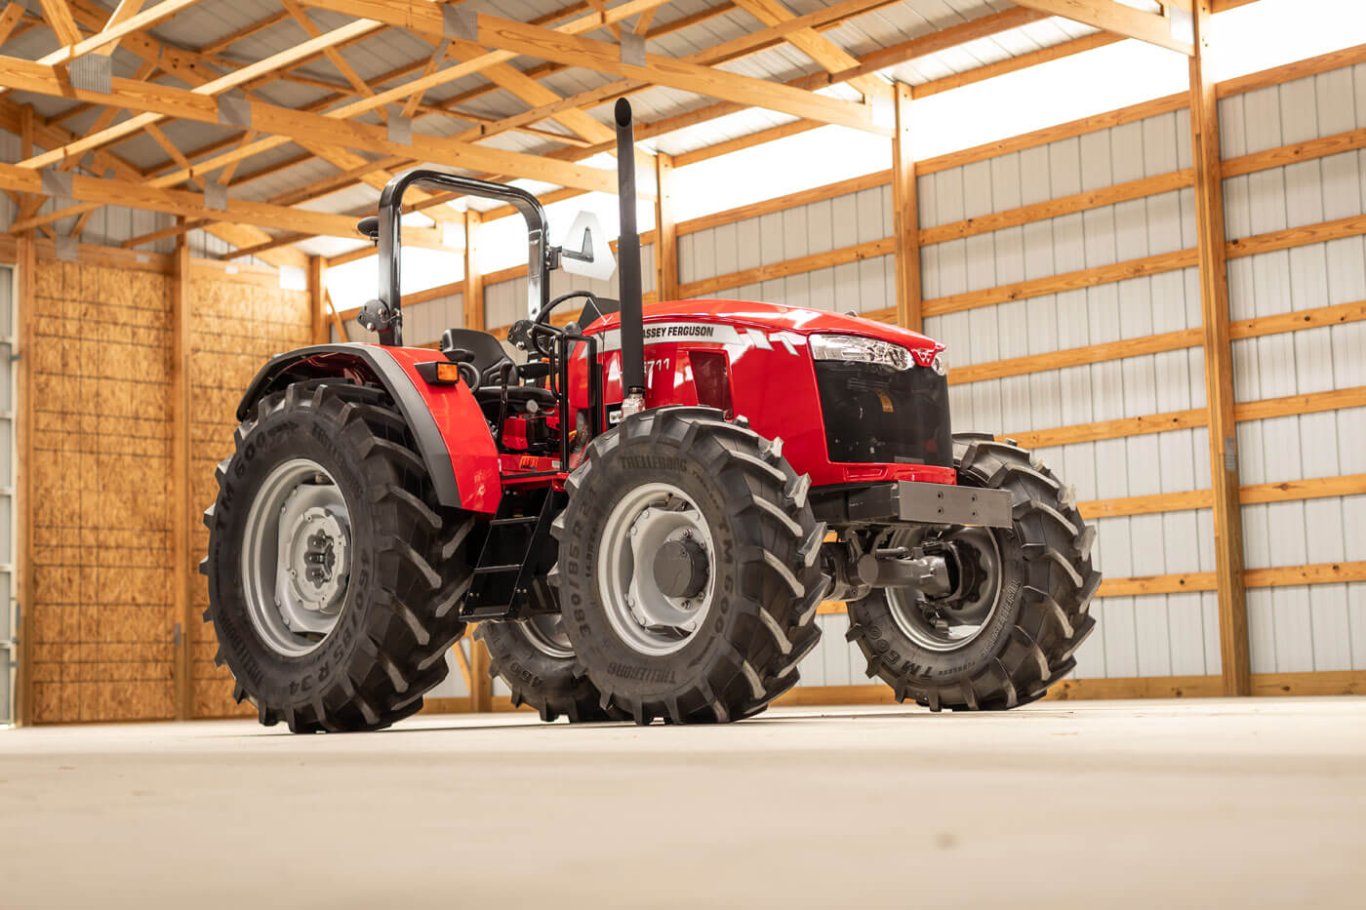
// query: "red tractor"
[[643, 514]]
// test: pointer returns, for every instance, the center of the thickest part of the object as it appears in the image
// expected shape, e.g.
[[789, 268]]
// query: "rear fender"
[[447, 424]]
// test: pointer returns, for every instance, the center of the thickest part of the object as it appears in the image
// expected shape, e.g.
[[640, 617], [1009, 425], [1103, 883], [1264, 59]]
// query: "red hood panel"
[[778, 317]]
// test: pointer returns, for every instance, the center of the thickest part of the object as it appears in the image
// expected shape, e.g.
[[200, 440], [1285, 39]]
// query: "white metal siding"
[[1320, 627], [1160, 635], [807, 230]]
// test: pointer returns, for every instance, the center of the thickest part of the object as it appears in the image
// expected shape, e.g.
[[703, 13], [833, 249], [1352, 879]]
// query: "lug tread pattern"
[[422, 565], [1053, 618], [784, 583]]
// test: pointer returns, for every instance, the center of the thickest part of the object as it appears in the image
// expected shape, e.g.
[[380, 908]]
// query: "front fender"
[[447, 424]]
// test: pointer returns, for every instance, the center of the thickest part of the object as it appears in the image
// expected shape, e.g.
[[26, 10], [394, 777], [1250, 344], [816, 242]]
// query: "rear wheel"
[[687, 568], [1018, 609], [334, 575], [535, 657]]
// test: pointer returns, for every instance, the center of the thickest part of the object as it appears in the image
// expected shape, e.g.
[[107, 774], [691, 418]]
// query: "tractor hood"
[[774, 318]]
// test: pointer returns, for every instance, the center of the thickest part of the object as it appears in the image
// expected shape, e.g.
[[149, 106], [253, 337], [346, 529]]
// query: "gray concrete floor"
[[1151, 804]]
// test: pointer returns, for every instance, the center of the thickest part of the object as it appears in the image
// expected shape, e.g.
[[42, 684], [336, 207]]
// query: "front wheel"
[[1018, 609], [687, 567]]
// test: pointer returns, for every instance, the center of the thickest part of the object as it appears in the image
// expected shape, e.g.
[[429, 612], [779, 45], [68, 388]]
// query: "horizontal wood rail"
[[812, 263], [1300, 69], [1295, 153], [1250, 494], [1104, 352], [1056, 208]]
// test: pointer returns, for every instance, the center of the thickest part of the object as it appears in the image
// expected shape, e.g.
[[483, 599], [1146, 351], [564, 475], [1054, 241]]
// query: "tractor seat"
[[488, 351], [489, 359]]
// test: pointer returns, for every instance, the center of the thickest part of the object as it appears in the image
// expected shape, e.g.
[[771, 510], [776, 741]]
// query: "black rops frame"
[[384, 315]]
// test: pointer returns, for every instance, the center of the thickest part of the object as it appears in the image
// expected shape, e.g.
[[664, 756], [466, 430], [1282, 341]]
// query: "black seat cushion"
[[488, 351]]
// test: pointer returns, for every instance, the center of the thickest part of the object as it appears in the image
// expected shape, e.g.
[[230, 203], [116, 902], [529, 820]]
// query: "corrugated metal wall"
[[1159, 635], [806, 230], [1322, 627]]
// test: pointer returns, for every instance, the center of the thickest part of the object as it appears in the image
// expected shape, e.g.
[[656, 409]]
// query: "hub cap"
[[951, 622], [655, 571], [296, 557], [546, 633]]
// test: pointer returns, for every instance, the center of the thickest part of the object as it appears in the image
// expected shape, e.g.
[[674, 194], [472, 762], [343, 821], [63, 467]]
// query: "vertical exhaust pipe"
[[628, 255]]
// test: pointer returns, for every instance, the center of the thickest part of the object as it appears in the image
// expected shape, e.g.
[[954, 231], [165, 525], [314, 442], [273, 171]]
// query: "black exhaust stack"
[[628, 255]]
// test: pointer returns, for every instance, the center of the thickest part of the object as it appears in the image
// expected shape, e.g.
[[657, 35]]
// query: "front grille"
[[877, 414]]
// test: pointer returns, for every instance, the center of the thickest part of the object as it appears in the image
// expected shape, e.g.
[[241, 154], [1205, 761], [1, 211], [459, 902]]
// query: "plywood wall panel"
[[235, 327], [101, 609]]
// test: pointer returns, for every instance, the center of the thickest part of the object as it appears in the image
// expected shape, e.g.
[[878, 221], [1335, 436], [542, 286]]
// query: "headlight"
[[857, 349]]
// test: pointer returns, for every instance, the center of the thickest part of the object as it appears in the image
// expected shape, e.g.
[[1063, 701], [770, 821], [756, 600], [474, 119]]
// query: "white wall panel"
[[1321, 627]]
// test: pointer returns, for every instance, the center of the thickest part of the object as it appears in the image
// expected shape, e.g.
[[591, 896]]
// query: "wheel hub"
[[296, 557], [952, 621], [680, 567], [655, 569]]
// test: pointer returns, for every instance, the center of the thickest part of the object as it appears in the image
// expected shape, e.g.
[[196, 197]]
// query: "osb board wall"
[[101, 618], [235, 326]]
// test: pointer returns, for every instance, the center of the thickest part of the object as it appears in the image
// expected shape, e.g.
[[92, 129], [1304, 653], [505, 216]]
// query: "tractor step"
[[518, 554]]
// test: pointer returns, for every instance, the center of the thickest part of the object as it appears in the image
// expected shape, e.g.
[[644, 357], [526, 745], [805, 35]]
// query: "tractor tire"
[[1032, 625], [393, 560], [537, 662], [720, 635]]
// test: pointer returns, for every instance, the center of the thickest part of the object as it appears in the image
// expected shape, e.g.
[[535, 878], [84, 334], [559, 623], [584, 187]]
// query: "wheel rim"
[[296, 557], [952, 622], [648, 518], [546, 633]]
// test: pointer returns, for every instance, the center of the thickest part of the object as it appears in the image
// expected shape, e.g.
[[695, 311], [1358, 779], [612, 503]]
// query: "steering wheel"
[[537, 333]]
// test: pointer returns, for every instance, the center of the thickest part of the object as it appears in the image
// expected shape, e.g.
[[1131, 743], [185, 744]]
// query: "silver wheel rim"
[[296, 557], [930, 623], [546, 634], [642, 615]]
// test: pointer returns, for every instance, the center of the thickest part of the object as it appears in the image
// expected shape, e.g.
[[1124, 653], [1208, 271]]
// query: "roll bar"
[[384, 314]]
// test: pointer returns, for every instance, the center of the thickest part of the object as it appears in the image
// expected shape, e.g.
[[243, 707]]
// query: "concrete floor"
[[1143, 804]]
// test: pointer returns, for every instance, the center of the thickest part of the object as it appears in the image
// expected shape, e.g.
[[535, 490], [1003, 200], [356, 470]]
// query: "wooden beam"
[[9, 18], [1234, 644], [1074, 357], [26, 261], [210, 89], [317, 299], [182, 508], [906, 216], [1056, 208], [1069, 281], [810, 263], [1295, 152], [116, 31], [474, 281], [178, 202], [126, 10], [573, 50], [824, 52], [57, 15], [666, 234], [1154, 28]]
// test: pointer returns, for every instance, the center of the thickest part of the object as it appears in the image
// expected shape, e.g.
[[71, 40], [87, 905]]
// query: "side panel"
[[446, 421]]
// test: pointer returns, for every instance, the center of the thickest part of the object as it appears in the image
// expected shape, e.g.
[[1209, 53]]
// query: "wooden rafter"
[[1163, 29], [575, 50], [9, 18], [58, 17], [179, 202], [829, 55], [126, 10]]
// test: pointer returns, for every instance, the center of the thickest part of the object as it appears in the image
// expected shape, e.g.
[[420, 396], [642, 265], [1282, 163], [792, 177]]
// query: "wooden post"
[[1218, 348], [474, 282], [317, 300], [666, 232], [905, 216], [27, 263], [182, 513], [481, 684]]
